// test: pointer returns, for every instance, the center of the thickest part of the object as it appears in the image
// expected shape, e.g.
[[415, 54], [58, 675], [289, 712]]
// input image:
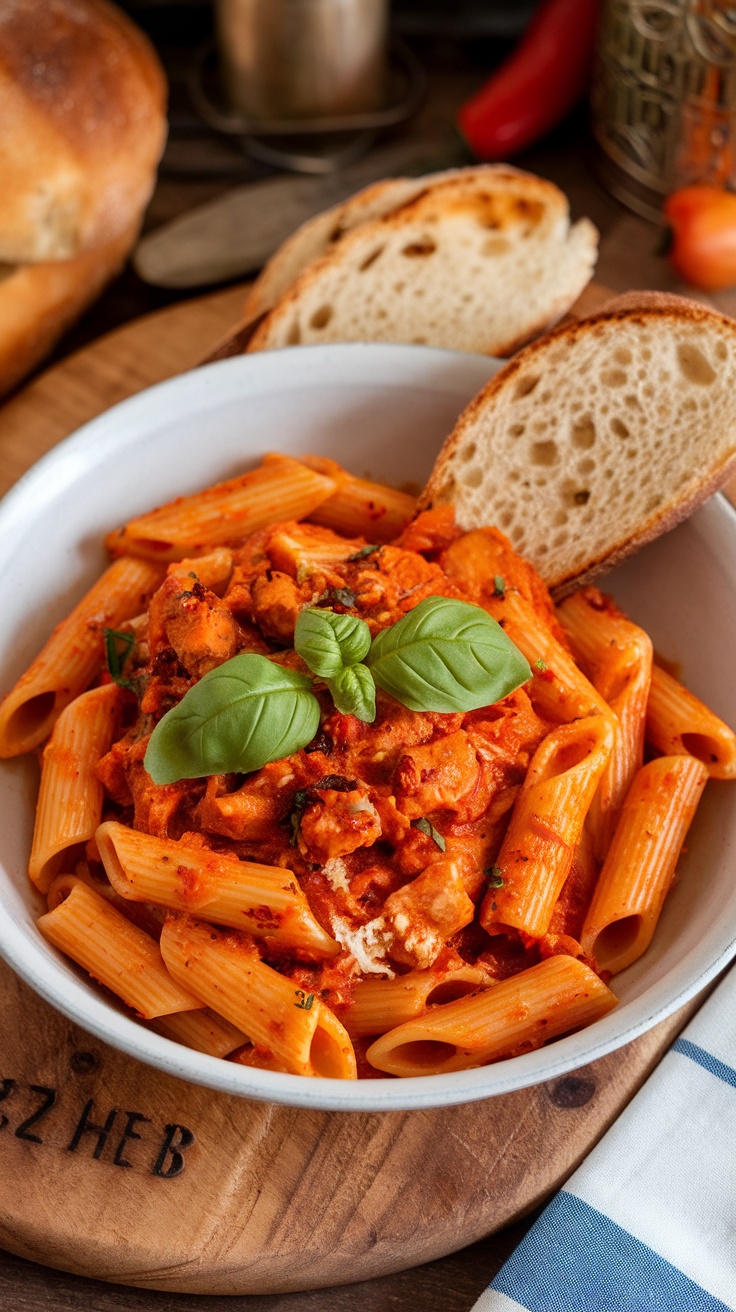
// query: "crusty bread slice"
[[317, 235], [599, 437], [479, 260]]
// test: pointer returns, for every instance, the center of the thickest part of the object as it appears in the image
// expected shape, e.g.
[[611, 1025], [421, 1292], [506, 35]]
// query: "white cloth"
[[648, 1222]]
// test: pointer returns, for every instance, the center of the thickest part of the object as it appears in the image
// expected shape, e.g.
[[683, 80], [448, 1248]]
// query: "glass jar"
[[664, 98]]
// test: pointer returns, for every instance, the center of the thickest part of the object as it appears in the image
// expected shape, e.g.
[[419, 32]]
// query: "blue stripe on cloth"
[[575, 1259], [706, 1060]]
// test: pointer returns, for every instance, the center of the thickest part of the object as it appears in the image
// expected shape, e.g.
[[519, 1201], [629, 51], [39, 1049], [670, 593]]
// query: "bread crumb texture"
[[477, 263], [596, 440]]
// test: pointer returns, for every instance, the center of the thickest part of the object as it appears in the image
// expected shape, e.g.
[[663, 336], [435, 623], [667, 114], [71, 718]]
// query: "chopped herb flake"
[[344, 596], [425, 827], [540, 664], [305, 1000], [116, 657], [495, 876], [499, 585], [364, 551], [301, 799]]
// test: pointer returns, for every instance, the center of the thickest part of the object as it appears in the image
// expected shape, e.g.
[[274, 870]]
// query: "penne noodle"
[[677, 721], [516, 1015], [72, 655], [546, 824], [266, 901], [559, 689], [71, 796], [280, 488], [213, 571], [202, 1030], [225, 971], [358, 507], [301, 549], [115, 952], [382, 1004], [617, 656], [641, 862]]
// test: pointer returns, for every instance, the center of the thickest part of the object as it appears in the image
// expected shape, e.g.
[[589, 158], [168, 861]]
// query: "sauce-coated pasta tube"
[[358, 507], [115, 952], [641, 861], [559, 689], [72, 655], [225, 971], [677, 721], [280, 488], [202, 1030], [382, 1004], [547, 820], [71, 796], [266, 901], [617, 656], [516, 1015]]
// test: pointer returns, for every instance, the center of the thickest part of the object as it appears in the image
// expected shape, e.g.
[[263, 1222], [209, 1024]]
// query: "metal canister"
[[664, 97], [291, 59]]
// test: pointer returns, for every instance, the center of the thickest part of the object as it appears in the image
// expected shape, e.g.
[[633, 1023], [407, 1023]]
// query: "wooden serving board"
[[111, 1169]]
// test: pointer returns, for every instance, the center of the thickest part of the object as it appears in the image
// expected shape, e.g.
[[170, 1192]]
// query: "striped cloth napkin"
[[648, 1222]]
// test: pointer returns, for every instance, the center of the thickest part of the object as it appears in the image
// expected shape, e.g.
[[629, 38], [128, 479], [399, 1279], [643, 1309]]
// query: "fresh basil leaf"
[[446, 655], [425, 826], [328, 641], [238, 717], [354, 692]]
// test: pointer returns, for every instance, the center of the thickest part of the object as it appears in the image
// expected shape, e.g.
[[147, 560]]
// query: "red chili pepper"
[[702, 223], [540, 82]]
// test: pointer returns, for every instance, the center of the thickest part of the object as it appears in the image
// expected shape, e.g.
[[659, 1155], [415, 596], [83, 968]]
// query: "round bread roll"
[[82, 108]]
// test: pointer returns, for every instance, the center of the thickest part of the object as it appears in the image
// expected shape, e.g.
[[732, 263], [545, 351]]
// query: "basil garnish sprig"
[[333, 646], [444, 656]]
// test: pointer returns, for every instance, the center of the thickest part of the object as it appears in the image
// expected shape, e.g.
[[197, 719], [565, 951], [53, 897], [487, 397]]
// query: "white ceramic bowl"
[[382, 410]]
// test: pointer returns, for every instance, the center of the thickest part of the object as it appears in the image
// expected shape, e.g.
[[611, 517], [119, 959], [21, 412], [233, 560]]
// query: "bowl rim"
[[91, 445]]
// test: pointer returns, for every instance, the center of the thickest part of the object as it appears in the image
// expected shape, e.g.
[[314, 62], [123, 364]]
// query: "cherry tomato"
[[702, 221]]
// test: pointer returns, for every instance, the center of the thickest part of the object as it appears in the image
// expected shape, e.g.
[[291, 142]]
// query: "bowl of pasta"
[[331, 807]]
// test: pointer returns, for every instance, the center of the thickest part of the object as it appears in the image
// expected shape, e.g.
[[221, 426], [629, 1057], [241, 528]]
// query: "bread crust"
[[38, 302], [632, 307], [82, 107]]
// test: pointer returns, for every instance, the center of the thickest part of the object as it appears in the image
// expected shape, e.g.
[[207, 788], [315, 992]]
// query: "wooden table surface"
[[627, 260]]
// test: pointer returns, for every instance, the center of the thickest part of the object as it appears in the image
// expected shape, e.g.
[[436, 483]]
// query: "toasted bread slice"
[[317, 235], [479, 260], [599, 437]]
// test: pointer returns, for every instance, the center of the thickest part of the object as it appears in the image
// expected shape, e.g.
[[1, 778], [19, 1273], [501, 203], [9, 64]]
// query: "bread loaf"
[[476, 260], [82, 108], [599, 437], [82, 100]]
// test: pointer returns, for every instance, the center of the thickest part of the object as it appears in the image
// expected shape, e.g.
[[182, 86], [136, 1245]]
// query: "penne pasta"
[[677, 721], [358, 507], [617, 656], [225, 971], [280, 488], [72, 656], [517, 1015], [203, 1030], [265, 901], [71, 796], [354, 821], [638, 870], [546, 824], [115, 952], [382, 1004]]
